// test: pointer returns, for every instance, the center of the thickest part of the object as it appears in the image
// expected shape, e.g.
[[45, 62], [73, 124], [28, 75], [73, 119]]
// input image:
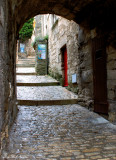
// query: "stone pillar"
[[8, 109], [17, 52], [2, 55], [111, 80], [85, 70], [41, 57]]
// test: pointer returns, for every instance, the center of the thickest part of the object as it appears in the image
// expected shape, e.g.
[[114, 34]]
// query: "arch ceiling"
[[89, 13]]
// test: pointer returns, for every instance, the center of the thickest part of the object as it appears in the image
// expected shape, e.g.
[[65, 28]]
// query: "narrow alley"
[[57, 80], [46, 129]]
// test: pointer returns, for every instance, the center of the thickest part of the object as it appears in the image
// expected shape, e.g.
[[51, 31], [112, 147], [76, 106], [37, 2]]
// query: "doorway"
[[99, 75], [64, 66]]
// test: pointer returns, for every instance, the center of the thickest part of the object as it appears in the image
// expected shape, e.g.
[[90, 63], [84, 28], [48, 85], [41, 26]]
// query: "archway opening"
[[56, 28]]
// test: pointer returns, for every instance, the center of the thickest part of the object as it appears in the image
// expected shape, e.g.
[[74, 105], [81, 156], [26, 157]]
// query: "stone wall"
[[29, 50], [8, 109], [41, 64], [2, 52], [86, 95], [63, 32], [85, 69], [38, 26], [111, 81]]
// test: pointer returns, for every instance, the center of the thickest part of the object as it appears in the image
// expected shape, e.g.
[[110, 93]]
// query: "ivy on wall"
[[27, 30]]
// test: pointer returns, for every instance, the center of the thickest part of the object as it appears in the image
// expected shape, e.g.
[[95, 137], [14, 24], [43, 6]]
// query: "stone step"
[[40, 94], [47, 102], [25, 70], [26, 74], [26, 59], [26, 63], [38, 84], [23, 66], [36, 79]]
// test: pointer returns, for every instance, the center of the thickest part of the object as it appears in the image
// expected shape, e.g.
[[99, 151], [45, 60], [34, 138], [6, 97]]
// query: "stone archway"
[[96, 18]]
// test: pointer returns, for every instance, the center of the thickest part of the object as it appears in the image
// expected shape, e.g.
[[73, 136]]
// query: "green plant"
[[46, 37], [54, 25], [27, 30]]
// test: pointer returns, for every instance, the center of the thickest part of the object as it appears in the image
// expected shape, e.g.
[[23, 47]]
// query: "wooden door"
[[65, 67], [99, 75]]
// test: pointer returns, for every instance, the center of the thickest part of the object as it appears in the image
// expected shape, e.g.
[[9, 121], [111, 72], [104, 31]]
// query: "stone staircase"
[[26, 62], [34, 90], [25, 71]]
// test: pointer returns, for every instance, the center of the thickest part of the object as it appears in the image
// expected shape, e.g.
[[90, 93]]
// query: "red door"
[[65, 69]]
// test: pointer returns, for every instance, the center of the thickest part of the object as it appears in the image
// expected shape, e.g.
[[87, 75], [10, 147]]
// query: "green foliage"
[[27, 30], [46, 37]]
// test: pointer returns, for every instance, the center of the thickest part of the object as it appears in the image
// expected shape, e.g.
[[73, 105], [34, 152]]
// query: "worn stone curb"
[[38, 84], [27, 74], [23, 66], [46, 102]]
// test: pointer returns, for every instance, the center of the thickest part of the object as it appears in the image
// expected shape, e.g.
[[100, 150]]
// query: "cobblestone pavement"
[[68, 132], [62, 132], [34, 79], [44, 93]]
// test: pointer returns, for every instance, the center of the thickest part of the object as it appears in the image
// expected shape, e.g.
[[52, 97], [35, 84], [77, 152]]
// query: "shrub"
[[27, 30]]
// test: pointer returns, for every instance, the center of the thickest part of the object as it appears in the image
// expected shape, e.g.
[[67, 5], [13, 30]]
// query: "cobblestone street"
[[57, 132], [66, 132]]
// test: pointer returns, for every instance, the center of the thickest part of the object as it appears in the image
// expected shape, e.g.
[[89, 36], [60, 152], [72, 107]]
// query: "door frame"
[[63, 49], [99, 45]]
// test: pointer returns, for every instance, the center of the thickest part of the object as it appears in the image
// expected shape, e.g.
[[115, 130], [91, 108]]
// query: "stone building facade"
[[41, 26], [63, 34]]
